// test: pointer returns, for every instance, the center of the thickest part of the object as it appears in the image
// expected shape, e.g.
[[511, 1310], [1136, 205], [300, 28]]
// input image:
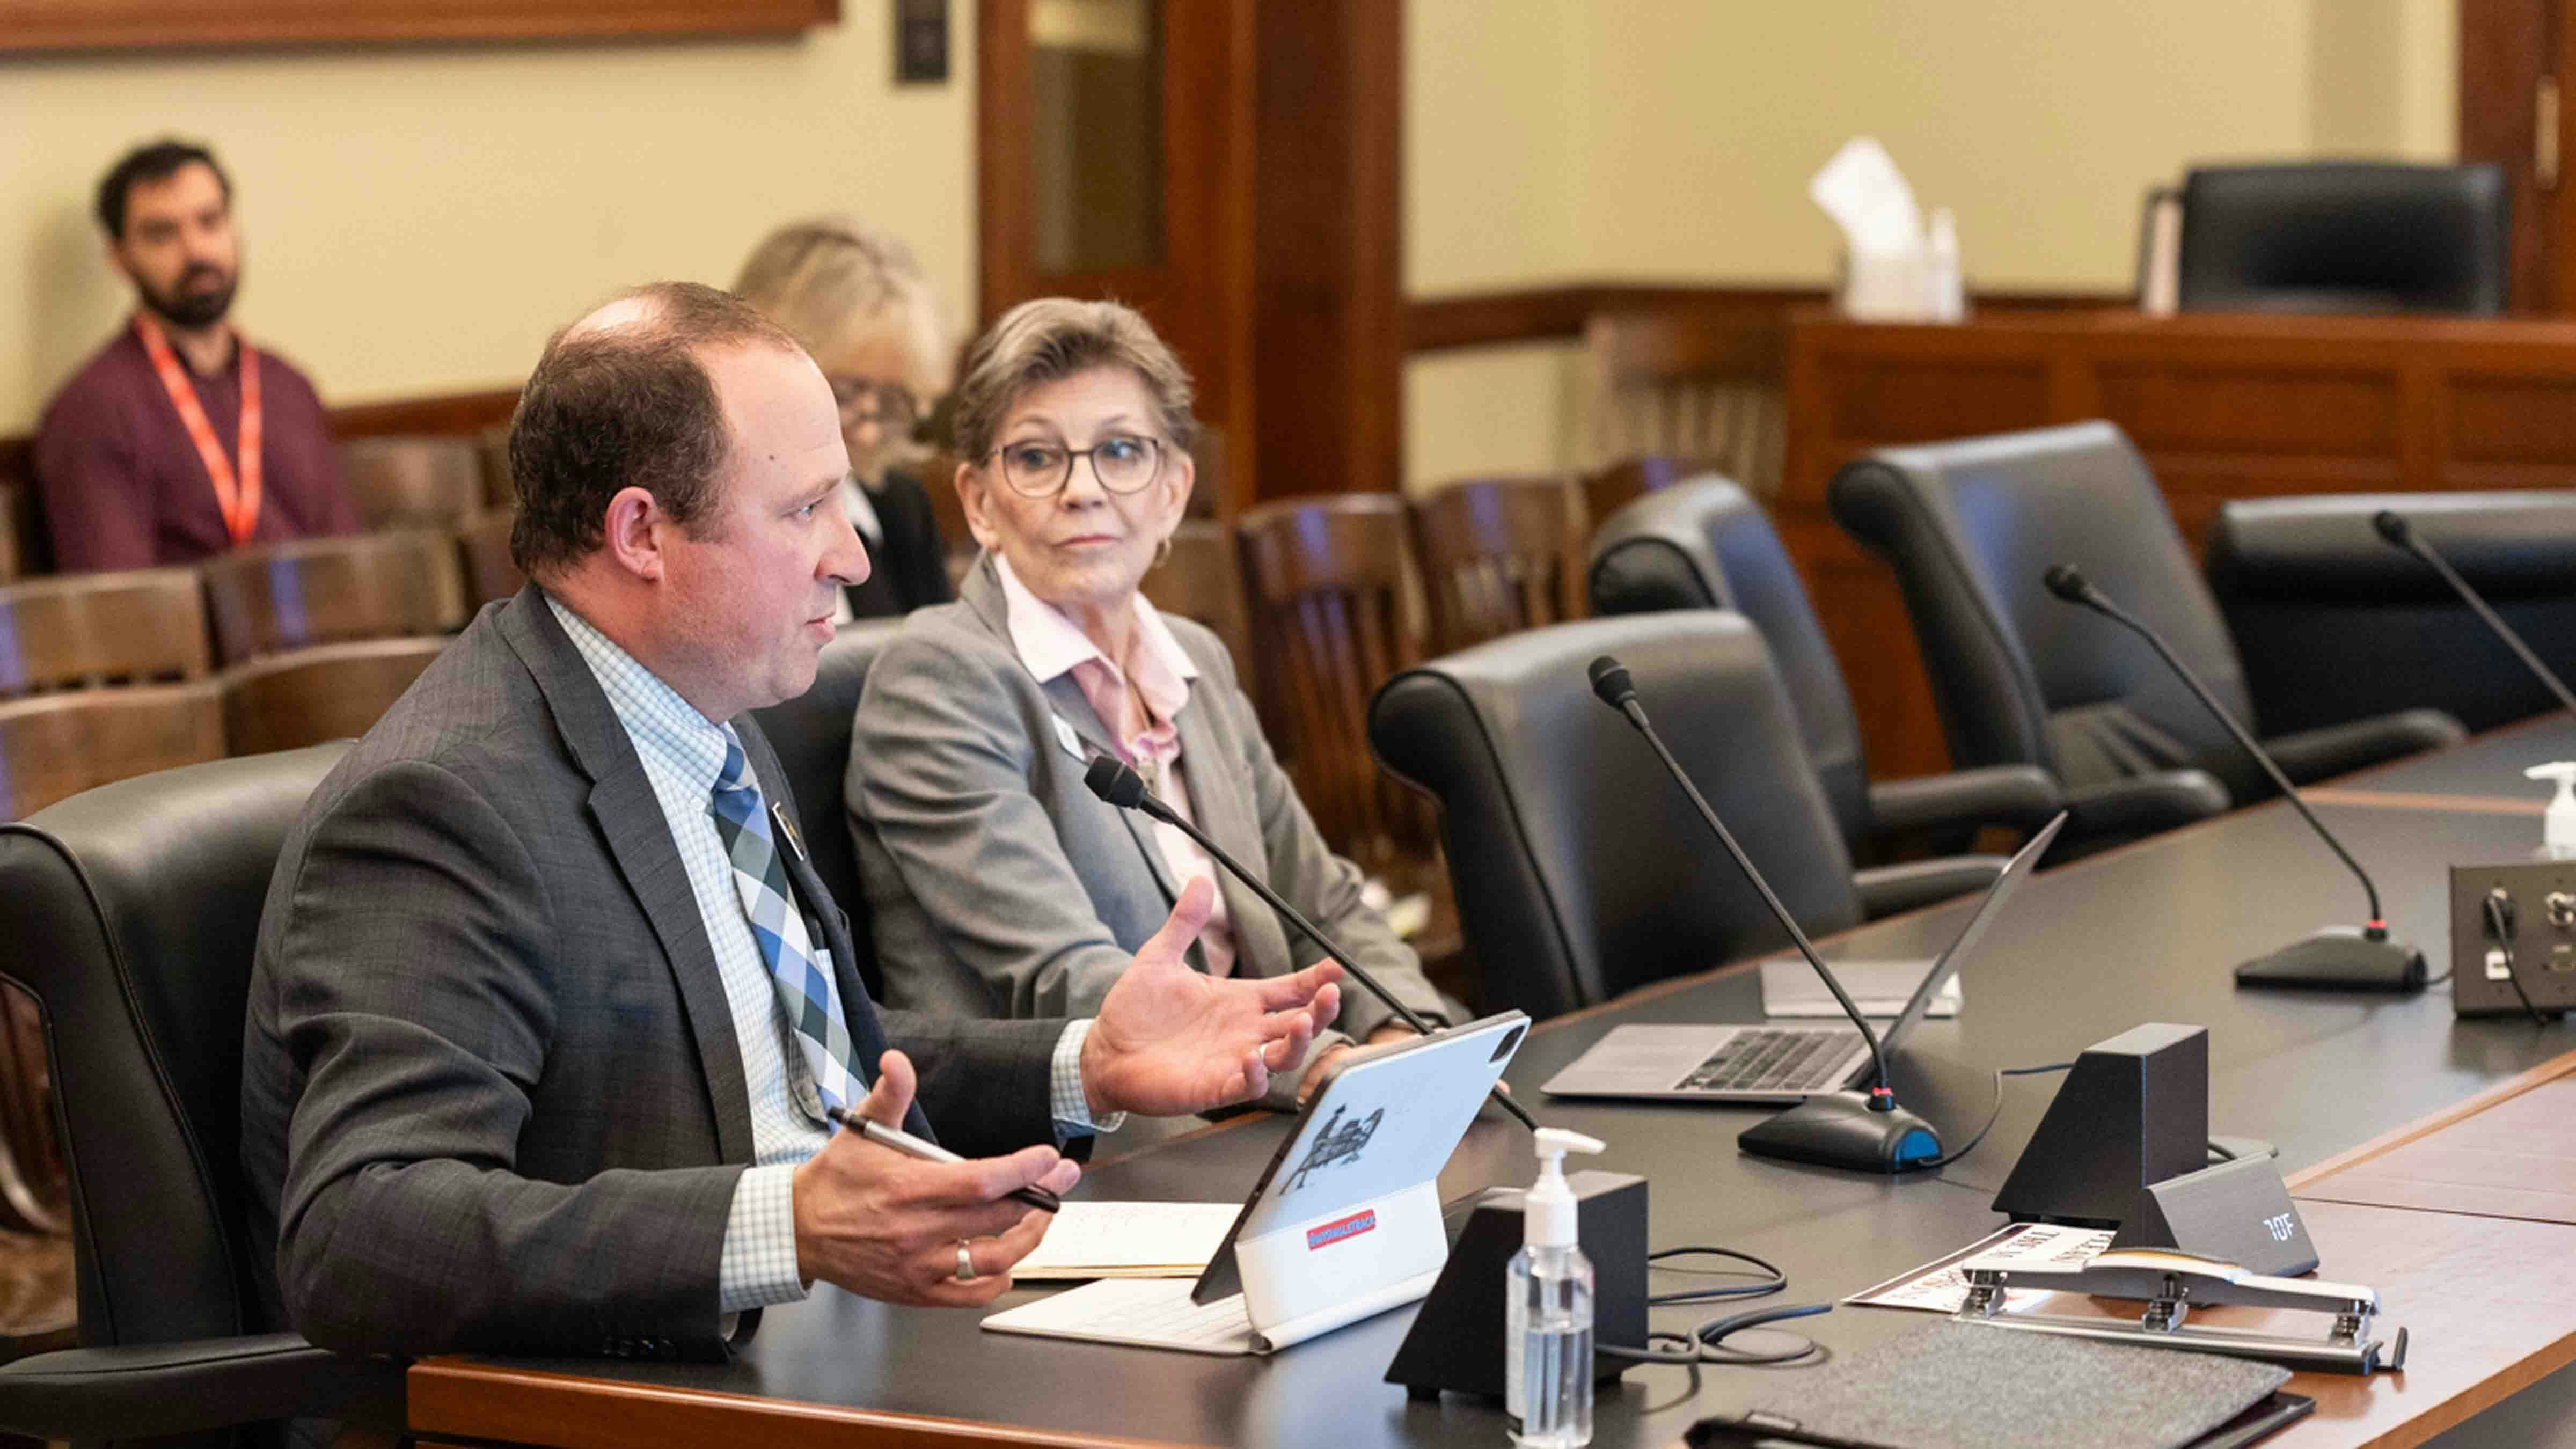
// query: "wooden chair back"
[[54, 746], [35, 1188], [1707, 386], [1207, 491], [128, 627], [1498, 555], [938, 475], [1607, 489], [276, 597], [483, 547], [331, 692], [1327, 581], [23, 544], [1202, 580], [421, 482], [17, 507], [500, 489]]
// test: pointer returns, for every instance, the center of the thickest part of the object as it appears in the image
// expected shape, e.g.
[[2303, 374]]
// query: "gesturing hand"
[[884, 1225], [1170, 1040]]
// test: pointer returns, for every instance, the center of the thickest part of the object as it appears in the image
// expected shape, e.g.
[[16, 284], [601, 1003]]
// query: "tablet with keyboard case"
[[1343, 1224]]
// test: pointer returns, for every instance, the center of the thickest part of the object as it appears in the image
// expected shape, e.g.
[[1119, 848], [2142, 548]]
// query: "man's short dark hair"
[[152, 161], [627, 405]]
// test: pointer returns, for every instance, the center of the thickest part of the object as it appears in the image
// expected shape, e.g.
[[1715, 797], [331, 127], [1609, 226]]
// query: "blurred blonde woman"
[[998, 884], [855, 298]]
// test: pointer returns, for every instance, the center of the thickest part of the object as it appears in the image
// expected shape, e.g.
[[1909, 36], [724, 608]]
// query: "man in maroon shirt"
[[141, 456]]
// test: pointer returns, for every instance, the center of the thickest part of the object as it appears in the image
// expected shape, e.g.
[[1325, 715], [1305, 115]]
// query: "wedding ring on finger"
[[965, 1263]]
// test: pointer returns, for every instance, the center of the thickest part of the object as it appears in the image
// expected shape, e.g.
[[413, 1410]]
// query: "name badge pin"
[[787, 830], [1065, 736]]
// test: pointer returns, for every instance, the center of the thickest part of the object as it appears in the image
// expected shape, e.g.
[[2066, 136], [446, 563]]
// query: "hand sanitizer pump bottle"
[[2558, 824], [1547, 1374]]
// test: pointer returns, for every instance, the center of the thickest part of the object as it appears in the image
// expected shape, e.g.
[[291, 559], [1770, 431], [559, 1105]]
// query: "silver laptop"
[[1774, 1063]]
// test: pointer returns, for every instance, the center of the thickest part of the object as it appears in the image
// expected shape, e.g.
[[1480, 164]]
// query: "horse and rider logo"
[[1338, 1142]]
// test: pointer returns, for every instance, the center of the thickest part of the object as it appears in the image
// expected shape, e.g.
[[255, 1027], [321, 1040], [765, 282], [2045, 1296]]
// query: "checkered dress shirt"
[[682, 755]]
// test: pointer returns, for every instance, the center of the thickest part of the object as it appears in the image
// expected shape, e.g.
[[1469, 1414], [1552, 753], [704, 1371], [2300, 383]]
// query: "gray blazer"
[[491, 1096], [1000, 886]]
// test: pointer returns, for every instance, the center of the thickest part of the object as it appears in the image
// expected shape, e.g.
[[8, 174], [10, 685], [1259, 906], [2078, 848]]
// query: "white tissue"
[[1893, 271]]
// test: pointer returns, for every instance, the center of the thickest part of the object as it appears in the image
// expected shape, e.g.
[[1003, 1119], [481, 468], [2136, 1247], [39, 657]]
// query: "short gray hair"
[[836, 283], [1053, 338]]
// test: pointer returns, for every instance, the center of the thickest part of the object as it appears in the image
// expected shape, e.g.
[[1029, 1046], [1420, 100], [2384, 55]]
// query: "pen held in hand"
[[911, 1146]]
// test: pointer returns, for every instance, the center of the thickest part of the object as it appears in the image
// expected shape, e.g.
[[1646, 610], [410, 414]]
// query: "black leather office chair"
[[132, 911], [2334, 624], [2344, 236], [1705, 544], [1581, 869], [2021, 676], [811, 734]]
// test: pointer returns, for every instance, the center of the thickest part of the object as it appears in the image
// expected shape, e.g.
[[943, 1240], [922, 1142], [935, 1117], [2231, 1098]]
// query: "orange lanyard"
[[236, 493]]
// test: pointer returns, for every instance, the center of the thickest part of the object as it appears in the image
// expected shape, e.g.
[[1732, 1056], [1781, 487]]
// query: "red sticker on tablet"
[[1337, 1230]]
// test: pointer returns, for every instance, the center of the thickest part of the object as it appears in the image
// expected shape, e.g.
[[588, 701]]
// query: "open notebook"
[[1129, 1240]]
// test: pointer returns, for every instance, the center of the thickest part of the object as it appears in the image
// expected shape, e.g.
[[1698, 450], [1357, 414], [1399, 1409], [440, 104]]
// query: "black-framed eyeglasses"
[[865, 400], [1123, 462]]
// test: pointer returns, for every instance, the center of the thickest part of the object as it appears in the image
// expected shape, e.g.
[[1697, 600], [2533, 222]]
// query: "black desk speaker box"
[[1456, 1342], [2540, 952], [2237, 1212], [2134, 1111]]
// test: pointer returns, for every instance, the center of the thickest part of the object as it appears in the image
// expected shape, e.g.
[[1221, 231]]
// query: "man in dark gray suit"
[[549, 1011]]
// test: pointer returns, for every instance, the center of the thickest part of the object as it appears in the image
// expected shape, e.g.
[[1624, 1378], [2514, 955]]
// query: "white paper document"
[[1939, 1286], [1129, 1240]]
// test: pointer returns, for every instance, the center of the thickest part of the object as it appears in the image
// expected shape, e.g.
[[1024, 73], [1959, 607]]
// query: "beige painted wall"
[[1672, 140], [417, 218]]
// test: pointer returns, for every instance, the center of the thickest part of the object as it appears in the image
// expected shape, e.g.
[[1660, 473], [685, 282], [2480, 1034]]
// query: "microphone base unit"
[[1841, 1129], [2338, 958]]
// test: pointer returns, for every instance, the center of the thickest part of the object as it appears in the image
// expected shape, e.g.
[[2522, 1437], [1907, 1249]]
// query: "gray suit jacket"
[[491, 1096], [999, 885]]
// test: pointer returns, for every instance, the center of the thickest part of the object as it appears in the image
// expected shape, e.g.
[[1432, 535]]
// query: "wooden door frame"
[[1283, 276], [2508, 50], [1199, 295]]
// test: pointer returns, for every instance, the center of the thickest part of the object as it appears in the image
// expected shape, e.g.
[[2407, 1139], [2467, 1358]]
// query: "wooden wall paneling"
[[464, 414], [1560, 310], [2221, 406], [43, 25], [2182, 406], [1328, 313]]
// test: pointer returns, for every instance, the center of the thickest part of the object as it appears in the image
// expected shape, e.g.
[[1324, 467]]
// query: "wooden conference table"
[[2434, 1159]]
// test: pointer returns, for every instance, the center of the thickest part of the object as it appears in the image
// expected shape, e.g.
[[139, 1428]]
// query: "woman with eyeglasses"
[[855, 298], [998, 884]]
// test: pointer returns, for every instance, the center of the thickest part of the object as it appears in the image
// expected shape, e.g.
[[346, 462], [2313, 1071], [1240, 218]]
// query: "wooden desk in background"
[[2223, 406]]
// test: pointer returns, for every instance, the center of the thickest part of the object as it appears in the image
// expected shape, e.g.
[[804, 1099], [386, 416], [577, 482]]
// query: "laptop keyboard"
[[1763, 1059], [1175, 1320]]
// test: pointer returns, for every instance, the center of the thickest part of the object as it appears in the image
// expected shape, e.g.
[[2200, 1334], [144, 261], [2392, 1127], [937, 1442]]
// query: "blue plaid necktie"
[[760, 878]]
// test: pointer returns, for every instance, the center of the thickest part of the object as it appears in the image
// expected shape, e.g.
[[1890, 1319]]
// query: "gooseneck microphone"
[[1117, 783], [1861, 1131], [2402, 535], [2338, 957]]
